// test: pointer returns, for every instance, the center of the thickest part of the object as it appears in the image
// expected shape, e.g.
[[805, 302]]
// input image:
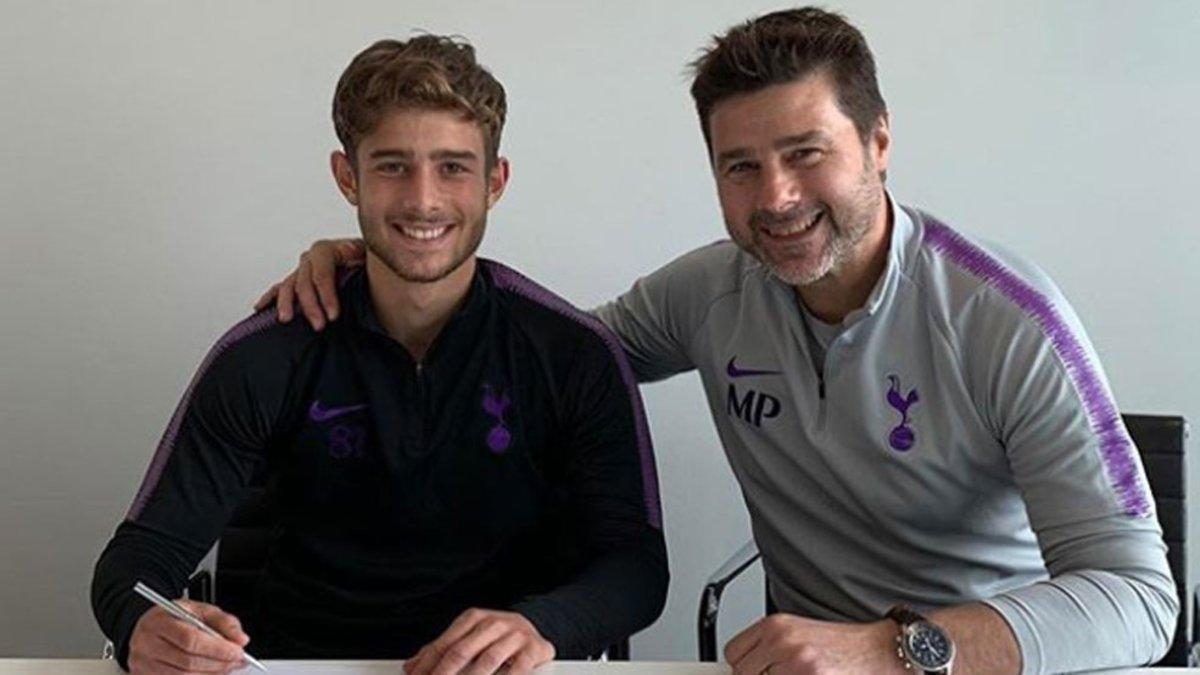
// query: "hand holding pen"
[[186, 637]]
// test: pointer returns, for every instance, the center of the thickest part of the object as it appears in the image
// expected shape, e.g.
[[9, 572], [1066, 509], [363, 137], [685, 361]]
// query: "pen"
[[176, 610]]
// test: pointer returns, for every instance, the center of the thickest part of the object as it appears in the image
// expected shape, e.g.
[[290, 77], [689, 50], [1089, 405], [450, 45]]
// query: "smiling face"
[[799, 188], [422, 188]]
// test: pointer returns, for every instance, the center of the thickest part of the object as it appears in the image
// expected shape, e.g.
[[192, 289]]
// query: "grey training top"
[[962, 444]]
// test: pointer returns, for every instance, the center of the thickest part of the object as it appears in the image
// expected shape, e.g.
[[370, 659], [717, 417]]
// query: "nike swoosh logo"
[[733, 371], [318, 414]]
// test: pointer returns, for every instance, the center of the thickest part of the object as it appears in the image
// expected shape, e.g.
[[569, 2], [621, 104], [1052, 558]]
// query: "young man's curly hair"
[[426, 72]]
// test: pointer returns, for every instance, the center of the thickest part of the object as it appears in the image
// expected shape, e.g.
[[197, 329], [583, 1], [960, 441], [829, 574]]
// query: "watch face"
[[929, 647]]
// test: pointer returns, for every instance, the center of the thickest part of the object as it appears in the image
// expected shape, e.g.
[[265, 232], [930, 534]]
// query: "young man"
[[464, 444], [915, 418]]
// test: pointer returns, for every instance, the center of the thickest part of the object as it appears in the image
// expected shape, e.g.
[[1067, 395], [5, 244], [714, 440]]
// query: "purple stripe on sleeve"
[[1116, 448], [509, 279], [239, 332]]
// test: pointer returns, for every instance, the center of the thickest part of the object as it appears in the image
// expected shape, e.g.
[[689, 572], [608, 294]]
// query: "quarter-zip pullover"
[[510, 469], [959, 444]]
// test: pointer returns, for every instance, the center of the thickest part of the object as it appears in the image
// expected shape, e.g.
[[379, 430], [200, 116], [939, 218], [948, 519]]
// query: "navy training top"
[[511, 469]]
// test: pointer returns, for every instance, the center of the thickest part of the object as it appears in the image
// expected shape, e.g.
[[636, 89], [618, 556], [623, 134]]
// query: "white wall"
[[162, 162]]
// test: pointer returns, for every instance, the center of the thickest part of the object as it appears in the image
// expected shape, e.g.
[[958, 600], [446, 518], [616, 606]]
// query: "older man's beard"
[[847, 225]]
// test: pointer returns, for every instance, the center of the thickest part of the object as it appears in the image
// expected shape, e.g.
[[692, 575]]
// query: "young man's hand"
[[314, 282], [162, 644], [481, 642], [784, 644]]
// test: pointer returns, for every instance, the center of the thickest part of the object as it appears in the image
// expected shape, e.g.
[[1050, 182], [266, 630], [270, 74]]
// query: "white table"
[[101, 667]]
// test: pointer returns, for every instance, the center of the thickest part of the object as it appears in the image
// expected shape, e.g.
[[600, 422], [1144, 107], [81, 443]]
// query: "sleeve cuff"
[[1016, 614], [124, 629], [554, 626]]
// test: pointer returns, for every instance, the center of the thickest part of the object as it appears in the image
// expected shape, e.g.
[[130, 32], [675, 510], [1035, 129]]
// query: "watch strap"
[[903, 615]]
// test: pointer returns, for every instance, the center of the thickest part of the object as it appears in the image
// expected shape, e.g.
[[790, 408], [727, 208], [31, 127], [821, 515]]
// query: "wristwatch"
[[921, 644]]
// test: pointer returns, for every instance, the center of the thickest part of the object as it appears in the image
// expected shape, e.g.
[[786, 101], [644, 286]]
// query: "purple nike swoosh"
[[733, 371], [318, 414]]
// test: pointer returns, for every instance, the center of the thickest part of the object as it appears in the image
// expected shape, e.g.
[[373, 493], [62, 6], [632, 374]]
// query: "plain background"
[[162, 162]]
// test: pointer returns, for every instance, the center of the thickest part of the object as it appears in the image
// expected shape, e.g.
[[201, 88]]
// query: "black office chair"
[[241, 561], [241, 558], [1160, 440]]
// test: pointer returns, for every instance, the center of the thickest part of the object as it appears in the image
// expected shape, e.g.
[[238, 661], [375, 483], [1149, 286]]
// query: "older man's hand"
[[785, 644], [313, 284]]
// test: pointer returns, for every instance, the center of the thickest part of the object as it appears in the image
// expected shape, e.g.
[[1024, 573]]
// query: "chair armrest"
[[1193, 653], [617, 651], [200, 587], [710, 598]]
